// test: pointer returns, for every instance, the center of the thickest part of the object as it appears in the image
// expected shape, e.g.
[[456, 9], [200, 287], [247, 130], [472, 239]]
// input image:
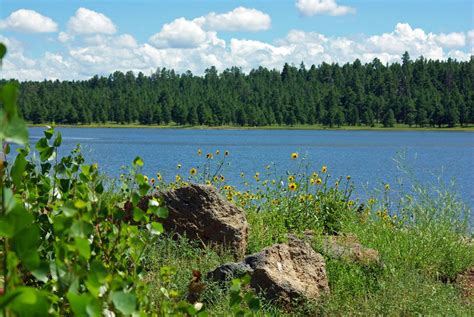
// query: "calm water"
[[367, 156]]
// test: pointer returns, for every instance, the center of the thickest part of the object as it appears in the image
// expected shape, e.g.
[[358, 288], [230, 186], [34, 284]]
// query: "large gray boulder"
[[200, 212], [287, 273]]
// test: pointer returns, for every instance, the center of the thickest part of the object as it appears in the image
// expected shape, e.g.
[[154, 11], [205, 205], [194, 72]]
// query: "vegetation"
[[76, 243], [417, 93]]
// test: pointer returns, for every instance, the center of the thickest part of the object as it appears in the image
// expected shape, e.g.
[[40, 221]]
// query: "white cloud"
[[85, 56], [239, 19], [314, 7], [454, 39], [180, 33], [86, 21], [28, 21]]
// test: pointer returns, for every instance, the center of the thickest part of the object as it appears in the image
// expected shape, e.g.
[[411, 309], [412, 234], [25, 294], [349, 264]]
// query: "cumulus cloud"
[[239, 19], [314, 7], [85, 56], [454, 39], [180, 33], [86, 21], [28, 21]]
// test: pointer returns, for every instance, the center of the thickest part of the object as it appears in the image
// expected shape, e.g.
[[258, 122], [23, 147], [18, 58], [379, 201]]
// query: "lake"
[[368, 156]]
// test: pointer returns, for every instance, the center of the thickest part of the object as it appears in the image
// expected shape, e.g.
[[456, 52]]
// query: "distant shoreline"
[[272, 127]]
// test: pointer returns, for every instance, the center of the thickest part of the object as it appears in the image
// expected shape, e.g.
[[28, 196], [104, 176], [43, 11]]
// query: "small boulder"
[[349, 249], [282, 272], [200, 212]]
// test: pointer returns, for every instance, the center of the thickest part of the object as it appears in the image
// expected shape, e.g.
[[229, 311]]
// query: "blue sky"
[[142, 35]]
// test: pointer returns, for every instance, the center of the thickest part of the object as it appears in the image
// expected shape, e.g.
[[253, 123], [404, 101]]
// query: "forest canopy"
[[417, 93]]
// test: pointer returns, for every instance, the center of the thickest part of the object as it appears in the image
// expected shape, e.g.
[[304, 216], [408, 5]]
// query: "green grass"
[[422, 251], [377, 127]]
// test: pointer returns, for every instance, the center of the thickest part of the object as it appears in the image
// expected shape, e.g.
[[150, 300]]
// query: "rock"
[[349, 249], [283, 272], [465, 281], [200, 212]]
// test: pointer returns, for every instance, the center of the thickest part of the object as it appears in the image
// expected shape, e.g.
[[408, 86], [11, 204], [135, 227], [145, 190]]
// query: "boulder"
[[465, 280], [287, 273], [349, 249], [344, 247], [200, 212]]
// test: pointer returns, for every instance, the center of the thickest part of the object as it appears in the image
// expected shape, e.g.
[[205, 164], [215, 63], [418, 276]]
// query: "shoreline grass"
[[379, 127]]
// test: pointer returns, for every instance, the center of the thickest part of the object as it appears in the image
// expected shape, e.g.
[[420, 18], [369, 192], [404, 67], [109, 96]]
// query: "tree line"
[[417, 92]]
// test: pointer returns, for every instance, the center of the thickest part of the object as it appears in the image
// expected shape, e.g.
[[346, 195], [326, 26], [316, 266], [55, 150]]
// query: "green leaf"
[[18, 168], [9, 96], [124, 302], [6, 228], [138, 161], [3, 50], [30, 302], [48, 133], [25, 244], [94, 308], [83, 246], [79, 303], [16, 131], [162, 212], [156, 228]]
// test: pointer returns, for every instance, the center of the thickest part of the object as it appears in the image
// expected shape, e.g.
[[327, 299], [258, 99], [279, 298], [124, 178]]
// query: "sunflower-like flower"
[[324, 169], [291, 178], [294, 155], [319, 181], [193, 171], [292, 186], [226, 153], [209, 156]]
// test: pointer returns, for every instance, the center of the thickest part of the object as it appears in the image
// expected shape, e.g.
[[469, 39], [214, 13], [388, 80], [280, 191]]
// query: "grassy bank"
[[82, 243], [377, 127]]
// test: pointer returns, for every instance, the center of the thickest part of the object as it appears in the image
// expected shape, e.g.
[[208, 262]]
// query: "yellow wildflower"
[[193, 171], [294, 155], [324, 169], [292, 186]]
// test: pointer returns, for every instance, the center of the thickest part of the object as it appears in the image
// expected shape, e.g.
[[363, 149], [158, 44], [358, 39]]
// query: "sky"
[[73, 40]]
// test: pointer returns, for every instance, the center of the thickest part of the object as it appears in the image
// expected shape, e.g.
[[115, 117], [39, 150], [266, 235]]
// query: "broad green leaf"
[[81, 229], [83, 247], [18, 168], [58, 140], [94, 308], [162, 212], [48, 133], [16, 131], [3, 50], [9, 96], [79, 303], [124, 302], [138, 161], [25, 244], [30, 302], [6, 228], [156, 228]]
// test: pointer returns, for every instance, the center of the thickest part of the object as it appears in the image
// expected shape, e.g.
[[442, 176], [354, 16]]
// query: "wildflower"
[[292, 186], [158, 176], [178, 166], [209, 156], [348, 177], [387, 187], [267, 167], [319, 181], [145, 178], [294, 155], [121, 176], [218, 152], [371, 201], [336, 184], [291, 178], [208, 182], [153, 181], [324, 169], [177, 178], [193, 171], [242, 174], [273, 182], [226, 153], [199, 152], [315, 175], [350, 203], [222, 178], [215, 178], [311, 181]]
